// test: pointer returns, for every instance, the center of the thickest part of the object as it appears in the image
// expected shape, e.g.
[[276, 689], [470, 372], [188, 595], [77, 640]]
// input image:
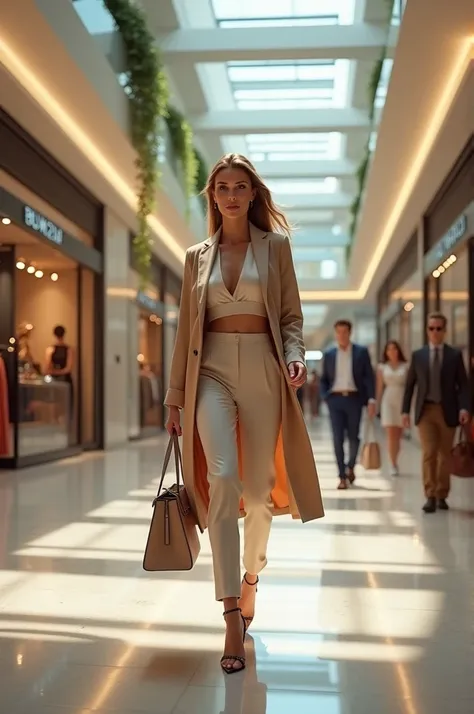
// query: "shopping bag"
[[370, 459]]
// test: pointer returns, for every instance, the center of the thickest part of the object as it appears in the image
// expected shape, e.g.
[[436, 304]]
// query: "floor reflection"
[[368, 610]]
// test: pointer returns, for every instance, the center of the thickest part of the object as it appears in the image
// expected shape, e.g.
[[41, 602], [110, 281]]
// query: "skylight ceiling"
[[287, 84], [282, 13], [294, 147], [305, 187]]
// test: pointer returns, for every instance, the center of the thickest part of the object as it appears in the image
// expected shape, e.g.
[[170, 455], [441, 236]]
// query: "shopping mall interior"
[[358, 115]]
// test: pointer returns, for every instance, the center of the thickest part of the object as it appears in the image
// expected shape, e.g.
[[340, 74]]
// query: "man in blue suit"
[[347, 385]]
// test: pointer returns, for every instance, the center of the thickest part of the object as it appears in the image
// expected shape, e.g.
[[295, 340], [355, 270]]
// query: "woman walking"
[[391, 379], [239, 357]]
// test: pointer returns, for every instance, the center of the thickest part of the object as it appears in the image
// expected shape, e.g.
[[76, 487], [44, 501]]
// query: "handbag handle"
[[173, 445]]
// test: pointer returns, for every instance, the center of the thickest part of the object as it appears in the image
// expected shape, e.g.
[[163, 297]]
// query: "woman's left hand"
[[298, 374]]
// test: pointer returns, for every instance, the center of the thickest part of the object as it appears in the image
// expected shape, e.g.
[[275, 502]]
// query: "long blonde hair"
[[263, 213]]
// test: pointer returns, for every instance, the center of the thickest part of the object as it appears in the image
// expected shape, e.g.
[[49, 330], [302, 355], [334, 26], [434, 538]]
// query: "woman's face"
[[233, 192], [392, 352]]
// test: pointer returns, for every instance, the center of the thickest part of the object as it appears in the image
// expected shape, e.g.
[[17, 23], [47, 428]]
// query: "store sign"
[[147, 302], [40, 224], [455, 233]]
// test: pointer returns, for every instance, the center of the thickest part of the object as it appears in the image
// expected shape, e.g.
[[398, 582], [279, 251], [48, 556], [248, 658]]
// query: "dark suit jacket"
[[362, 372], [454, 384]]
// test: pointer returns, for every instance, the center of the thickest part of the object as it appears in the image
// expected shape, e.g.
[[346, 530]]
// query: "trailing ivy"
[[201, 173], [181, 136], [374, 83], [147, 89]]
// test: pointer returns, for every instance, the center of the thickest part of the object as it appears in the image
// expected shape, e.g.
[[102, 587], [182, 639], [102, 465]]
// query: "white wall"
[[116, 338]]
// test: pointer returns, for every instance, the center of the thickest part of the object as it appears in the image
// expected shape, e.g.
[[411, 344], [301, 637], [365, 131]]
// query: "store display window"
[[150, 370], [48, 375]]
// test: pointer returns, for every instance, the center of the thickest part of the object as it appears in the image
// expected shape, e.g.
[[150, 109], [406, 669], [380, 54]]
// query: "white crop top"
[[247, 298]]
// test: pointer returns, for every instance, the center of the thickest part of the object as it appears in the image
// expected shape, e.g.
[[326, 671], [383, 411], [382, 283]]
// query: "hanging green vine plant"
[[147, 89], [202, 172], [181, 136]]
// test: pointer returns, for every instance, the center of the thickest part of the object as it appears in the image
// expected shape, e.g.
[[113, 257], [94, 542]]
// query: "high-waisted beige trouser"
[[239, 382]]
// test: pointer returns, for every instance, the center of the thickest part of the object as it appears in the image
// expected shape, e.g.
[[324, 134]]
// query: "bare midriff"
[[242, 324]]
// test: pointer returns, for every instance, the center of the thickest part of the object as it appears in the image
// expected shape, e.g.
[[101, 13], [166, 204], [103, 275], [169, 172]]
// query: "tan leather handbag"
[[370, 459], [173, 542]]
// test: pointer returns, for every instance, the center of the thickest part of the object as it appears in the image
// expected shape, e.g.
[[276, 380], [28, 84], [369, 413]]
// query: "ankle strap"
[[249, 583], [235, 609]]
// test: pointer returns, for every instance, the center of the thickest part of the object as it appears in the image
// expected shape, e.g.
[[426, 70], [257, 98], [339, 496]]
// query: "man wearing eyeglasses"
[[442, 402]]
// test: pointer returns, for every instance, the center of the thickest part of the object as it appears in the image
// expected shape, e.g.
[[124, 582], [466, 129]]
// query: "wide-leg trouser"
[[239, 384]]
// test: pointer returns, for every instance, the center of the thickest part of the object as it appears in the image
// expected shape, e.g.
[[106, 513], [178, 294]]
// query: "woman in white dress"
[[391, 378]]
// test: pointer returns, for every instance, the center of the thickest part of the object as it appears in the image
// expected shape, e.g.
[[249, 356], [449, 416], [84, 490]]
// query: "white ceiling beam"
[[306, 169], [353, 42], [266, 121]]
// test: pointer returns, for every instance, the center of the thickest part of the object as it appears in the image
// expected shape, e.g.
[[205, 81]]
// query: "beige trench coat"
[[297, 488]]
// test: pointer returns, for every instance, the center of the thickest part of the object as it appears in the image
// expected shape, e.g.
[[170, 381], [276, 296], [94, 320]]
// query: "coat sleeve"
[[291, 316], [179, 361]]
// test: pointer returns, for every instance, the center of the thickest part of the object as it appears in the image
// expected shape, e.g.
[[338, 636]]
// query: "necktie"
[[436, 377]]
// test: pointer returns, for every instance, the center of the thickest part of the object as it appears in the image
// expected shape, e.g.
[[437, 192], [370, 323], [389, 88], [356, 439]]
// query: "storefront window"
[[48, 307], [407, 326], [149, 366], [46, 300]]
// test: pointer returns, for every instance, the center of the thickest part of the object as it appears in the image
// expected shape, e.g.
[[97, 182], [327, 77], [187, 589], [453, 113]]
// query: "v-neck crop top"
[[247, 298]]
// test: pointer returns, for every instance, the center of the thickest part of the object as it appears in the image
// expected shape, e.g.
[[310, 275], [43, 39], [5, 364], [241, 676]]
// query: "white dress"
[[392, 398]]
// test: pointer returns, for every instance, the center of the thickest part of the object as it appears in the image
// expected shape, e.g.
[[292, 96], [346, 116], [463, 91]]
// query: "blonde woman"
[[238, 360]]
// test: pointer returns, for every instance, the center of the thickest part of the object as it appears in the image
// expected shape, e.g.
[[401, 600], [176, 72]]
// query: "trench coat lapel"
[[206, 261], [260, 246]]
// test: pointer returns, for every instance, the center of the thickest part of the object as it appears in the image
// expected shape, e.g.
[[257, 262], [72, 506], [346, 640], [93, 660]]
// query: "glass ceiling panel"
[[306, 187], [287, 84], [281, 71], [295, 94], [279, 104], [294, 147], [278, 13], [94, 16]]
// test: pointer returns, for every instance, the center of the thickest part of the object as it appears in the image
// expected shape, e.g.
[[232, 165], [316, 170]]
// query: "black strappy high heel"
[[230, 669], [248, 620]]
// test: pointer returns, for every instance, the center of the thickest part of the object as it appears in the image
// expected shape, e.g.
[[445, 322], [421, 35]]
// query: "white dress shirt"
[[344, 377]]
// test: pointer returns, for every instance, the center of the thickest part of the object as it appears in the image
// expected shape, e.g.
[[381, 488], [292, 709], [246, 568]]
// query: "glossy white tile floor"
[[369, 611]]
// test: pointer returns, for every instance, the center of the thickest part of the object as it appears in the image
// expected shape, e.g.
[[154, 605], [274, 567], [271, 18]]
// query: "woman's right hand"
[[173, 423]]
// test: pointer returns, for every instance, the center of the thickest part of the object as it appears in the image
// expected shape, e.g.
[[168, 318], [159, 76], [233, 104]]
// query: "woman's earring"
[[251, 203], [215, 204]]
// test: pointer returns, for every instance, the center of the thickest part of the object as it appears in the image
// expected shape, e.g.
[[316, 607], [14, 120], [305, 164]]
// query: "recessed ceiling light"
[[54, 277], [20, 265], [30, 269], [39, 274], [6, 221]]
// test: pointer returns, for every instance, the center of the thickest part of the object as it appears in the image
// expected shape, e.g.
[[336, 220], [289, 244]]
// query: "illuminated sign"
[[42, 225]]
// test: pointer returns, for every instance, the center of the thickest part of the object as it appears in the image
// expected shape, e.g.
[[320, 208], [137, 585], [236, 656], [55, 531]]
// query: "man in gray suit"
[[442, 402]]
